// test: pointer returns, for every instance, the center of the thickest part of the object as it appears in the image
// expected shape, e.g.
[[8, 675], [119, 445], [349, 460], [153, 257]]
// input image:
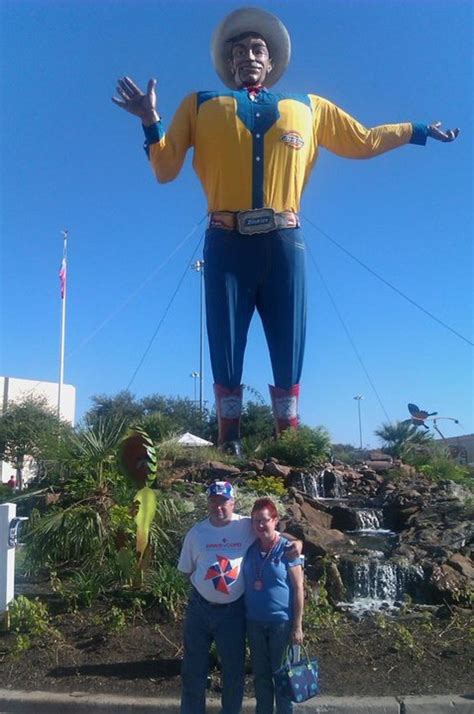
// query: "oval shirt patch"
[[292, 139]]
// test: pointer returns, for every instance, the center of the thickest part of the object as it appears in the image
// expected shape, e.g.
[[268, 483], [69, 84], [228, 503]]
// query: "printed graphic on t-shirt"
[[223, 574]]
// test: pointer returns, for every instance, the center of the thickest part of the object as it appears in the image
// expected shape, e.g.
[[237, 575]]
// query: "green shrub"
[[82, 588], [443, 468], [169, 587], [305, 447], [265, 486], [180, 455], [115, 620], [319, 614], [245, 499], [60, 536], [29, 621], [6, 493], [29, 617]]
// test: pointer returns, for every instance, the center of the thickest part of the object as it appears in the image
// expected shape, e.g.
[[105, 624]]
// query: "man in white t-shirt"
[[212, 555]]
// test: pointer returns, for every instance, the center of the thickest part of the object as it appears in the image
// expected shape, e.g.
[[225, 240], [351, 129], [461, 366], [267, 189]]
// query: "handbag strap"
[[288, 655], [308, 661]]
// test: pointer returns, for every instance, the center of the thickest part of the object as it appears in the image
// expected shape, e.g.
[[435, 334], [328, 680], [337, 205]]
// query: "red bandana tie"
[[254, 91]]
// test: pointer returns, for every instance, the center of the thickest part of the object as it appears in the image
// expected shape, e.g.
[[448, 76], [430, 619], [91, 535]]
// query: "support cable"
[[349, 336], [167, 308], [137, 290], [390, 285]]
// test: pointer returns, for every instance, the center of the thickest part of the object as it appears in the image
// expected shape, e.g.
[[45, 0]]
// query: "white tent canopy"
[[189, 439]]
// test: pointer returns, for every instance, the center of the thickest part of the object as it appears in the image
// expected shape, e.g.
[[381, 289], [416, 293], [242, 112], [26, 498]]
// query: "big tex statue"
[[253, 152]]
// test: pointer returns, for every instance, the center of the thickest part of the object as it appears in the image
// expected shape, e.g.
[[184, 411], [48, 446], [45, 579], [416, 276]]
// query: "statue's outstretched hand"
[[435, 131], [133, 100]]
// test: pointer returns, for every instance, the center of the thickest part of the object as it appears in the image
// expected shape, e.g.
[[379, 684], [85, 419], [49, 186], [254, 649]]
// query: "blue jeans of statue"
[[225, 625], [246, 272], [267, 642]]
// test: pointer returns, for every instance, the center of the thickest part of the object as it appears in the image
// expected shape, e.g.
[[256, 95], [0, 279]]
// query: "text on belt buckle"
[[257, 220]]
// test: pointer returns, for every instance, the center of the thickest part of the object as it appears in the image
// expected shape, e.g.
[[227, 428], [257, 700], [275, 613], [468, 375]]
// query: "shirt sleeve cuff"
[[419, 135], [153, 133]]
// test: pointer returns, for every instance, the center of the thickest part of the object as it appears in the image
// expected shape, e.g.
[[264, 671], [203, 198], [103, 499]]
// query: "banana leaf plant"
[[137, 461]]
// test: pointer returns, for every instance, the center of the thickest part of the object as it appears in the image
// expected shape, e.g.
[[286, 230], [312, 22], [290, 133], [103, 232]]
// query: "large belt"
[[256, 220]]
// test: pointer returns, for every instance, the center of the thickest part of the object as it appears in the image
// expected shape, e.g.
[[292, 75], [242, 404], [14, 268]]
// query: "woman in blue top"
[[274, 600]]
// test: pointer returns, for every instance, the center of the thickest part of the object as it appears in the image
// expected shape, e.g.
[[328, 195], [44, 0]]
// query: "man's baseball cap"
[[220, 488], [251, 19]]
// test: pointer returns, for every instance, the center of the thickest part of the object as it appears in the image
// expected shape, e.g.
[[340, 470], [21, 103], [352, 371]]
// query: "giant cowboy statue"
[[253, 153]]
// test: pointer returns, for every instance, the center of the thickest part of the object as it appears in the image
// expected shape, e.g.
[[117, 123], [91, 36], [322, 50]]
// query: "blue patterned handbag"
[[297, 681]]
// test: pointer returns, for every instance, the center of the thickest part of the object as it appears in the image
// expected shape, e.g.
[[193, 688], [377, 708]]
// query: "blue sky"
[[71, 159]]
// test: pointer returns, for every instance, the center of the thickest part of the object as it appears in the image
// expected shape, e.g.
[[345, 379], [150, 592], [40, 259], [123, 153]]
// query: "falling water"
[[322, 484], [369, 519], [374, 584], [311, 484]]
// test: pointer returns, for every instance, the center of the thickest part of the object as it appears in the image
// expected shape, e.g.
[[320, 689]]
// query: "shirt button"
[[257, 158], [257, 136], [257, 114]]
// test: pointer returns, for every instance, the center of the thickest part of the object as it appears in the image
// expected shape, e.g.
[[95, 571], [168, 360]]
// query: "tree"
[[180, 414], [122, 406], [160, 414], [402, 438], [29, 428], [257, 420]]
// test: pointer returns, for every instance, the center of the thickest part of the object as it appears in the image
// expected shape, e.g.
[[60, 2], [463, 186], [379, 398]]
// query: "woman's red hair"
[[262, 503]]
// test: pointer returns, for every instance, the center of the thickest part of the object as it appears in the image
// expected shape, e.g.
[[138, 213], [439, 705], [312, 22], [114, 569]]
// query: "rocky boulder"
[[463, 565], [449, 585], [272, 468]]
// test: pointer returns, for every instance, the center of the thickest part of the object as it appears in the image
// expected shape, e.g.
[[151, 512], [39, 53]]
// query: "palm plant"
[[95, 445], [401, 438]]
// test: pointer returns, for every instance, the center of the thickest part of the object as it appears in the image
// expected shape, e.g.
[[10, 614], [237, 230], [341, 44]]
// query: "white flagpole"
[[63, 318]]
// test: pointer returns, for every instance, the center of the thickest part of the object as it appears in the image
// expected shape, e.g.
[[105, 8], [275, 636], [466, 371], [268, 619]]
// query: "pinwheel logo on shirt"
[[222, 574]]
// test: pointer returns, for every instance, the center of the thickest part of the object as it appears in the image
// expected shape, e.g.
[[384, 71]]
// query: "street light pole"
[[198, 266], [358, 399], [194, 375], [63, 281]]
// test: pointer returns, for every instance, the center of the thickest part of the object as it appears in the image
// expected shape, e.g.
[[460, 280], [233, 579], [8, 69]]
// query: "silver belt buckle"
[[257, 220]]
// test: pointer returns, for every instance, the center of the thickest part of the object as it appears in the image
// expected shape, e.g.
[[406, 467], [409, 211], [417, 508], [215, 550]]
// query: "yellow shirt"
[[259, 153]]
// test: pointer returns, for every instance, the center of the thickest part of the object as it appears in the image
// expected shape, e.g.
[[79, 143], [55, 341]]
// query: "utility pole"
[[358, 399], [198, 266]]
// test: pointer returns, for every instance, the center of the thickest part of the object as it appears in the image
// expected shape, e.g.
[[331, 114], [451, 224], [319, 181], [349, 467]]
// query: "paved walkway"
[[80, 703]]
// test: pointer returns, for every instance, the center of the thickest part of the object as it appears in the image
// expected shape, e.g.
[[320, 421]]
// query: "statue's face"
[[250, 61]]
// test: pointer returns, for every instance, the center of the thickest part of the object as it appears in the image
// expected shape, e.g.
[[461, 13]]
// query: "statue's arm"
[[342, 134], [165, 150]]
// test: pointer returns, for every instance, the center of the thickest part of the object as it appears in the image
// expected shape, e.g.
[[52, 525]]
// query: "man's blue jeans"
[[266, 272], [225, 625], [268, 641]]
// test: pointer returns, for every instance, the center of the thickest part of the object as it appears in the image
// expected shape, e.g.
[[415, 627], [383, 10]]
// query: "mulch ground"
[[377, 656]]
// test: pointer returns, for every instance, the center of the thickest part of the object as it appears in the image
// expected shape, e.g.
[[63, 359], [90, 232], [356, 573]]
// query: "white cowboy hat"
[[251, 19]]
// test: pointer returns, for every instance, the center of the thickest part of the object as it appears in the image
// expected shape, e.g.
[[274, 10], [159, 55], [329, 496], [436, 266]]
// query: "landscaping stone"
[[462, 564], [218, 470], [447, 583], [273, 469]]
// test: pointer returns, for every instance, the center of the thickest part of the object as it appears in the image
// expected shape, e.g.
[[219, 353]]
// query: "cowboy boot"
[[285, 407], [229, 410]]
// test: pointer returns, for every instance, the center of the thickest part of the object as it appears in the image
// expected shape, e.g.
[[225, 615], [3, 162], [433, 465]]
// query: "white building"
[[13, 389]]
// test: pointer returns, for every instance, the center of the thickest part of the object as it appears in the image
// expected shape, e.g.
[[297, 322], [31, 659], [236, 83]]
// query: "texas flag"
[[62, 277]]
